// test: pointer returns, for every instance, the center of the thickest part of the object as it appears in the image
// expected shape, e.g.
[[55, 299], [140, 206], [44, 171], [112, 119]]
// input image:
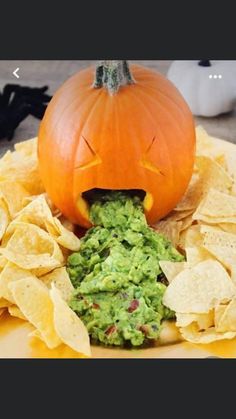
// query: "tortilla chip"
[[30, 247], [32, 298], [218, 313], [68, 325], [191, 237], [194, 255], [203, 320], [10, 273], [192, 196], [220, 244], [171, 269], [38, 212], [199, 289], [226, 319], [4, 303], [170, 229], [13, 194], [21, 166], [4, 217], [228, 227], [60, 278], [2, 311], [192, 334], [64, 237], [213, 175], [16, 312], [210, 175], [216, 207]]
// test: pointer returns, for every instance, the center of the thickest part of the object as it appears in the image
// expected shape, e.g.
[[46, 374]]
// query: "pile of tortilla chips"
[[35, 241], [202, 290]]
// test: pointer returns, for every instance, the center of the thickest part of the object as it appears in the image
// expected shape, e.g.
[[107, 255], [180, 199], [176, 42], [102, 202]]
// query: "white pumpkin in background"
[[205, 94]]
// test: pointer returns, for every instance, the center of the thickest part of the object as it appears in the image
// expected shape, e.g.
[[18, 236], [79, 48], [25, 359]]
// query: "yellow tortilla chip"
[[28, 147], [228, 227], [204, 143], [68, 325], [63, 236], [213, 175], [220, 244], [169, 333], [32, 298], [199, 289], [218, 313], [170, 229], [10, 273], [210, 175], [215, 236], [38, 212], [191, 237], [195, 255], [4, 303], [2, 311], [192, 196], [205, 146], [13, 194], [16, 312], [216, 207], [233, 273], [171, 269], [192, 334], [226, 322], [178, 215], [203, 320], [4, 217], [186, 222], [22, 167], [32, 248], [67, 224], [60, 278]]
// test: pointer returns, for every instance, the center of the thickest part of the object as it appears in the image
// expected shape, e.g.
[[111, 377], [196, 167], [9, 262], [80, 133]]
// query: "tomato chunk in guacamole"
[[116, 273]]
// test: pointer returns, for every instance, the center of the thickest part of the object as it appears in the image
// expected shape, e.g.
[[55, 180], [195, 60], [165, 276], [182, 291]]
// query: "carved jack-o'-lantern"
[[120, 131]]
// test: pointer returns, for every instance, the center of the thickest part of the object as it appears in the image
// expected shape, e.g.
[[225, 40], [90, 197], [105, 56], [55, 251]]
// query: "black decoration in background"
[[16, 103]]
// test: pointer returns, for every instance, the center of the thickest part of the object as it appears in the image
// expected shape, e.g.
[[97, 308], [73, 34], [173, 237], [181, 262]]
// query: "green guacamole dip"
[[116, 273]]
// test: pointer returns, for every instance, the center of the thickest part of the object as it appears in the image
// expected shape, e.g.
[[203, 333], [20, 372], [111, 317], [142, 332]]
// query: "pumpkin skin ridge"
[[91, 109], [122, 134], [166, 110], [171, 117], [147, 110], [149, 84], [168, 97], [77, 195], [71, 104], [76, 145]]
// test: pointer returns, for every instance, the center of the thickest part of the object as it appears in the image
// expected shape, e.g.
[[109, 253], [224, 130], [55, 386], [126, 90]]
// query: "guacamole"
[[116, 273]]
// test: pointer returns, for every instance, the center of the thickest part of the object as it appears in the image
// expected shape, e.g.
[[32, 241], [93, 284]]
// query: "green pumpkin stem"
[[112, 74]]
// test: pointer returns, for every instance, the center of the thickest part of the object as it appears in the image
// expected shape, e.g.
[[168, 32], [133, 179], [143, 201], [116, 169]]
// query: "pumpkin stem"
[[112, 74], [204, 63]]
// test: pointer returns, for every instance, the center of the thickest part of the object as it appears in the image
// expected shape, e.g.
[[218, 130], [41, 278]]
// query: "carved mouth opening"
[[86, 199], [94, 194]]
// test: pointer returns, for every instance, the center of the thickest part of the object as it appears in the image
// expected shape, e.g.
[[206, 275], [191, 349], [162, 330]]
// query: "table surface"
[[54, 73]]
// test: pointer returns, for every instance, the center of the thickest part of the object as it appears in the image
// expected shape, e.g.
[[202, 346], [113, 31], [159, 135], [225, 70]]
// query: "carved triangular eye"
[[145, 160], [89, 156]]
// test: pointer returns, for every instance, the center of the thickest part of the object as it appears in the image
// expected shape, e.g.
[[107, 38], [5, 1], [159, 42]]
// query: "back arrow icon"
[[15, 72]]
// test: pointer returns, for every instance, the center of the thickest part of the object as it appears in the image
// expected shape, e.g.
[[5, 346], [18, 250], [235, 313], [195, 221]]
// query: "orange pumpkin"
[[120, 132]]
